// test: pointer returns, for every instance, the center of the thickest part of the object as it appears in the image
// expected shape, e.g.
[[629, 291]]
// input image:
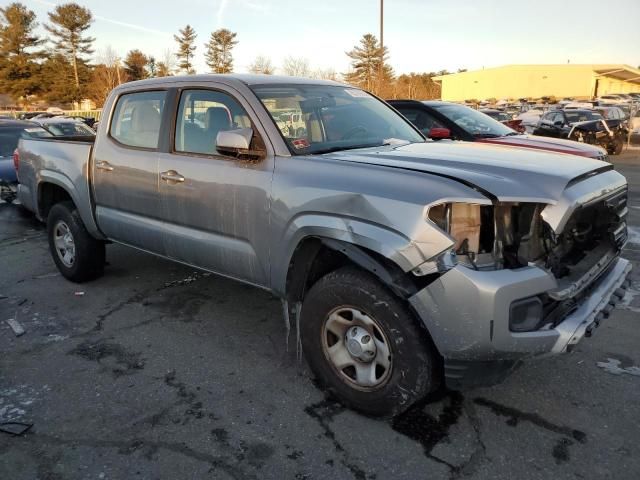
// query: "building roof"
[[618, 71]]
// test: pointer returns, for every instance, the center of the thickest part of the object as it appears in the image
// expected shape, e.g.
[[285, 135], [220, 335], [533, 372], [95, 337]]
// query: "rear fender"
[[83, 205]]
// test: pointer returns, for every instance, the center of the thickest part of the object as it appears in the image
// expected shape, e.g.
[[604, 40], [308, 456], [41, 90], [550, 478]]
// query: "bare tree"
[[296, 67], [106, 75], [167, 65], [325, 74], [263, 65]]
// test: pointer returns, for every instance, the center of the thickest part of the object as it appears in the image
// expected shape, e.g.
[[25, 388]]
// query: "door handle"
[[171, 176], [104, 166]]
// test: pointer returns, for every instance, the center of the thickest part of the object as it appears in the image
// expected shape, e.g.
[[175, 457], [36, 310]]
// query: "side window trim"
[[112, 119]]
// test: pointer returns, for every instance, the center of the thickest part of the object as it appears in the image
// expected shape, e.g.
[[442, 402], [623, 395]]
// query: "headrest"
[[145, 118]]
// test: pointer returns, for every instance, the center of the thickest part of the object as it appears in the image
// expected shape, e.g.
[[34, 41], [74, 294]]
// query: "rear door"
[[216, 207], [125, 171]]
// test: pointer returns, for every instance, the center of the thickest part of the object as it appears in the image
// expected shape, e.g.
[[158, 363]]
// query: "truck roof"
[[230, 79]]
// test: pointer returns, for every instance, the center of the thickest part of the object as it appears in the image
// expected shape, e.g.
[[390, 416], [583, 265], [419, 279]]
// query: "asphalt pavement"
[[158, 371]]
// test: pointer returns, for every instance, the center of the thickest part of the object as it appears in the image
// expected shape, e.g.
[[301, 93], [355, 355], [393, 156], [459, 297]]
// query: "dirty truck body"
[[403, 262]]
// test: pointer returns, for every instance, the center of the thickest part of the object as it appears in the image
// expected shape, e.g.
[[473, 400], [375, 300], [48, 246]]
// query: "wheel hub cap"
[[360, 344], [356, 347]]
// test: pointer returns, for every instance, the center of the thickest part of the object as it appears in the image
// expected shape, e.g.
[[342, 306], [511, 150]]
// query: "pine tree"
[[18, 44], [186, 48], [218, 54], [135, 64], [152, 66], [366, 68], [68, 24]]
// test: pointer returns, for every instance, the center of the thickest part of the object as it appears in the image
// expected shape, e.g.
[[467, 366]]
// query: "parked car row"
[[607, 127], [444, 120], [403, 263]]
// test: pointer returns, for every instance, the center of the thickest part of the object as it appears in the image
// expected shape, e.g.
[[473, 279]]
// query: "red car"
[[439, 120]]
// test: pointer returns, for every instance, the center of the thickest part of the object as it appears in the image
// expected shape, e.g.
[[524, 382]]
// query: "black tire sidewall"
[[90, 253], [413, 361]]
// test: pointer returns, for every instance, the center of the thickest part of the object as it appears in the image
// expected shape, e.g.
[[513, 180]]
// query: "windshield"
[[472, 121], [325, 118], [69, 129], [581, 116]]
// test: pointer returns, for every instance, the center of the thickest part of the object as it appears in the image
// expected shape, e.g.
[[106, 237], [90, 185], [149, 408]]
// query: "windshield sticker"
[[300, 143], [356, 93]]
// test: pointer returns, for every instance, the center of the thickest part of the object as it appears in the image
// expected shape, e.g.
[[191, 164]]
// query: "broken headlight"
[[470, 226]]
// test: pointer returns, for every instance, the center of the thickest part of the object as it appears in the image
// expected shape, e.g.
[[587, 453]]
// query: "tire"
[[67, 233], [619, 145], [411, 372]]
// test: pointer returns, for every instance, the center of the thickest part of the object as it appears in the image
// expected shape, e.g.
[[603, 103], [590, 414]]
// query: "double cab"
[[402, 262]]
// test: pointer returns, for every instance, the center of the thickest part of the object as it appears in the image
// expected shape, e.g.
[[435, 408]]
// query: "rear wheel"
[[78, 255], [364, 346]]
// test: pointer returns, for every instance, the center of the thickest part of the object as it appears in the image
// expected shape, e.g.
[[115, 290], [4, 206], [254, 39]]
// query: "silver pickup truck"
[[403, 263]]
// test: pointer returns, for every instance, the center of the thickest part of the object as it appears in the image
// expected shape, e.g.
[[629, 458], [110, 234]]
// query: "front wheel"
[[78, 255], [364, 346]]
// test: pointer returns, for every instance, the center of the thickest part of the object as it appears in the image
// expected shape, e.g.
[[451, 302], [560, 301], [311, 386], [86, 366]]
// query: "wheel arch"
[[53, 188]]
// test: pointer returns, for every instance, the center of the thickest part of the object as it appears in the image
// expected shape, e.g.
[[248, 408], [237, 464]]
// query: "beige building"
[[535, 81]]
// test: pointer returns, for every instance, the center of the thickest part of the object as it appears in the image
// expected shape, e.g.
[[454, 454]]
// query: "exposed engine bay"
[[514, 235]]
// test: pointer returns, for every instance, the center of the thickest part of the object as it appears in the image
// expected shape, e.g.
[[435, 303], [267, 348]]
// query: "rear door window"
[[136, 119]]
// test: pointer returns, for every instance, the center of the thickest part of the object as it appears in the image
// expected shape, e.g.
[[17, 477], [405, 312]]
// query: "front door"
[[125, 172], [216, 207]]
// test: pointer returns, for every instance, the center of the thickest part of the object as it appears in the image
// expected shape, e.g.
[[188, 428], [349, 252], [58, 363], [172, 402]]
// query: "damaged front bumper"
[[467, 314]]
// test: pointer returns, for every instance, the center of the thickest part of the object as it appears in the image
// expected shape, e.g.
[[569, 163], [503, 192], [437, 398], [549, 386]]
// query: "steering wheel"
[[354, 131]]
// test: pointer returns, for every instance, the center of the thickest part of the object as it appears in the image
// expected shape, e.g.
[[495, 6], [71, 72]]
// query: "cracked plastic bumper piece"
[[467, 312]]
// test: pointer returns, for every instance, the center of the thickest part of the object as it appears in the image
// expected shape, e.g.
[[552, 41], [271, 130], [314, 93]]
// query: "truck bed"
[[61, 161]]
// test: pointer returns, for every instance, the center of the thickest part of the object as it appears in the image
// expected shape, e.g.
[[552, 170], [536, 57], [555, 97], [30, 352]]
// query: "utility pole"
[[381, 66]]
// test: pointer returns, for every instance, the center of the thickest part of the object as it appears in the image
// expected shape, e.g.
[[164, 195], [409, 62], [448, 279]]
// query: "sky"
[[421, 35]]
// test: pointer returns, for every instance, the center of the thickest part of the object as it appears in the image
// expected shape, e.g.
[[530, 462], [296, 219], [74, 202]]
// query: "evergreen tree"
[[366, 68], [18, 67], [69, 22], [135, 64], [186, 48], [218, 54], [152, 66]]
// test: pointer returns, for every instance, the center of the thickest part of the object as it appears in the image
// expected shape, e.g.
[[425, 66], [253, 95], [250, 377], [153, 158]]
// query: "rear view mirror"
[[235, 142], [439, 133]]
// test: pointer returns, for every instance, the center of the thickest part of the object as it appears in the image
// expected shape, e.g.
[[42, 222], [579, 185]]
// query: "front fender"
[[390, 244]]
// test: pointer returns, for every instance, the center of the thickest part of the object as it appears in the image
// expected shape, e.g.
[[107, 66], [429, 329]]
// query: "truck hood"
[[504, 173], [546, 143]]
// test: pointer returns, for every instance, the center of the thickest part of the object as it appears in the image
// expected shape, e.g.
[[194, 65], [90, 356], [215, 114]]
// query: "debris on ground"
[[15, 428], [79, 294], [17, 328]]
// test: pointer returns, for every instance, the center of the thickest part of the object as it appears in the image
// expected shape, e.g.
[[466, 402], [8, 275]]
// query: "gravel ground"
[[159, 371]]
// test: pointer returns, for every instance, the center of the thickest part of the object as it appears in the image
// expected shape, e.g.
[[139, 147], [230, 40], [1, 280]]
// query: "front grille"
[[616, 204]]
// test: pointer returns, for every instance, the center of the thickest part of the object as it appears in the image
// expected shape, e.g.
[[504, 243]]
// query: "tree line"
[[63, 67]]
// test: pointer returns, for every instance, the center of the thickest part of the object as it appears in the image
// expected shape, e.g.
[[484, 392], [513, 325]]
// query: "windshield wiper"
[[349, 147], [486, 135], [512, 133]]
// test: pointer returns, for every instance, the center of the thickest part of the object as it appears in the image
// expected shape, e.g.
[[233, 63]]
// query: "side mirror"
[[439, 133], [236, 142], [558, 123]]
